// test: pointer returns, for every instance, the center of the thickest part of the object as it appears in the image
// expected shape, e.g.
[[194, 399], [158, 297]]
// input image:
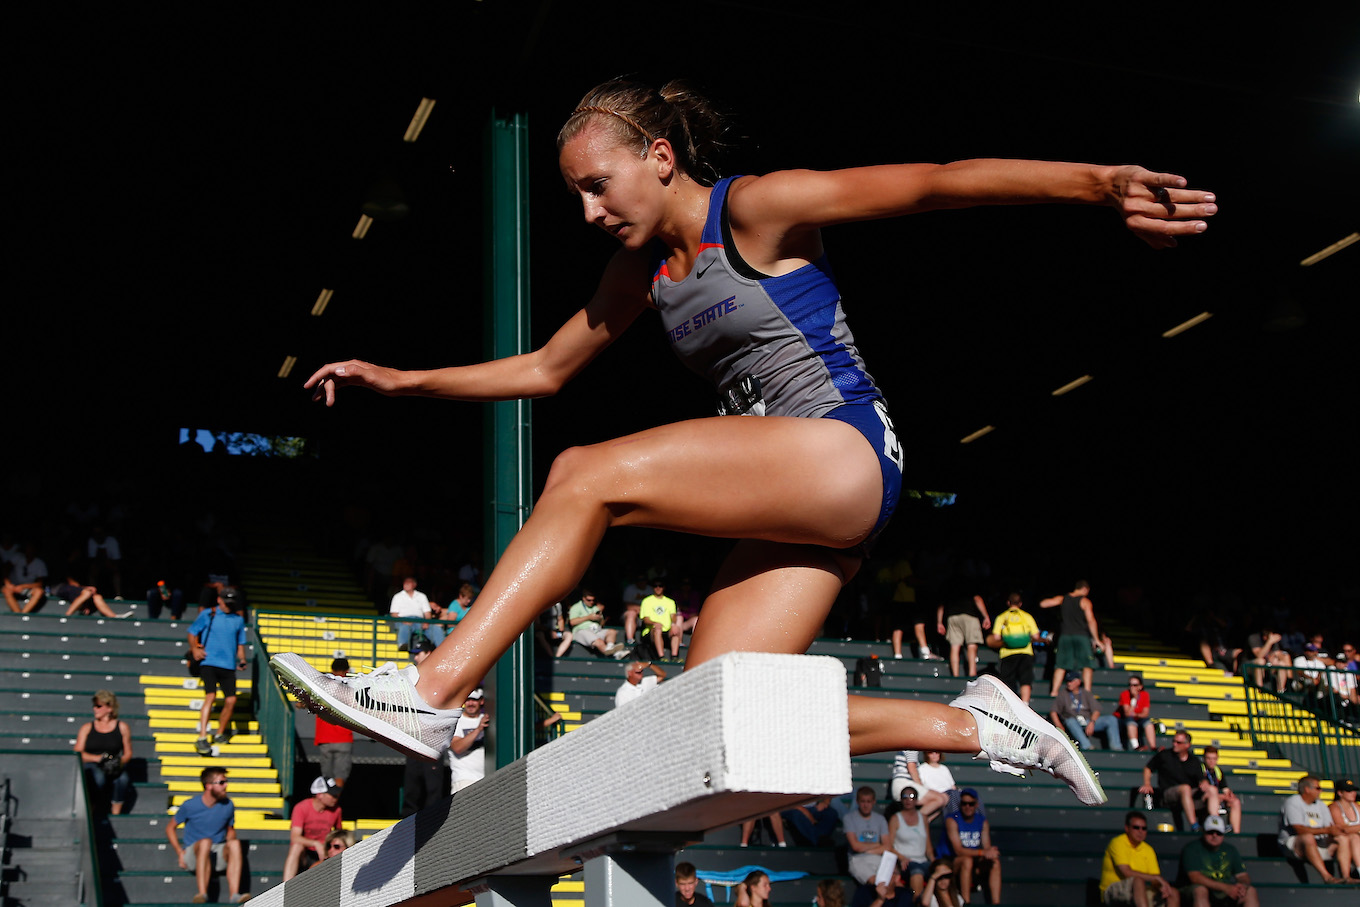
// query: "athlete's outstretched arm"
[[619, 299], [1157, 207]]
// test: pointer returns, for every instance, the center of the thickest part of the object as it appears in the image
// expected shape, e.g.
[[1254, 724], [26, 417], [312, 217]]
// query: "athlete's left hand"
[[1157, 207]]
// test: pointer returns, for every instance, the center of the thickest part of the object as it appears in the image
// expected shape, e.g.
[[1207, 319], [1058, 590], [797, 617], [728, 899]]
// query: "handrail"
[[274, 714], [1301, 714]]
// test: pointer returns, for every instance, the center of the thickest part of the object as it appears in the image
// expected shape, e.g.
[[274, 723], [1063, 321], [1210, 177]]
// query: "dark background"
[[186, 184]]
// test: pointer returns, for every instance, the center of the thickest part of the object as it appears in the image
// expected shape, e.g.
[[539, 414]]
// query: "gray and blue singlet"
[[774, 346]]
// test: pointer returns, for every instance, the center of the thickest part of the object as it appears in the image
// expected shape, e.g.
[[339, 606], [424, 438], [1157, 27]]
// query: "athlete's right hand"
[[351, 372]]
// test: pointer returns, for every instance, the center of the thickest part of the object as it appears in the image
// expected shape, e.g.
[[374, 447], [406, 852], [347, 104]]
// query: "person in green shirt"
[[1212, 871]]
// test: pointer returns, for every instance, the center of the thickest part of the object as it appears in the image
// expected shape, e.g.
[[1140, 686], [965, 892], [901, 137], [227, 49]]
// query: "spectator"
[[631, 599], [338, 841], [1308, 832], [910, 836], [210, 842], [423, 781], [967, 839], [1180, 780], [939, 887], [1135, 708], [830, 893], [940, 780], [1075, 710], [586, 620], [106, 560], [754, 890], [467, 755], [814, 822], [1129, 873], [105, 747], [1346, 817], [686, 887], [162, 596], [1342, 679], [27, 580], [687, 605], [906, 772], [217, 641], [658, 612], [1014, 634], [776, 826], [408, 603], [335, 743], [458, 608], [1309, 667], [866, 832], [1212, 870], [635, 683], [551, 633], [957, 623], [312, 820], [83, 599], [1266, 653], [1218, 777], [1078, 635]]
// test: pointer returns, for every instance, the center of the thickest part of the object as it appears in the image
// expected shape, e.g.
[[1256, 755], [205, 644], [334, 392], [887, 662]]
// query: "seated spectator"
[[754, 890], [1180, 780], [686, 887], [338, 841], [658, 612], [83, 599], [1267, 653], [105, 748], [1135, 710], [458, 608], [940, 780], [408, 603], [1129, 873], [1212, 870], [830, 893], [27, 581], [1308, 832], [813, 822], [776, 826], [906, 772], [334, 743], [687, 605], [162, 596], [1345, 689], [1346, 817], [585, 619], [551, 633], [210, 842], [312, 820], [940, 888], [866, 833], [1075, 710], [635, 683], [967, 840], [910, 836], [1219, 778], [1309, 670]]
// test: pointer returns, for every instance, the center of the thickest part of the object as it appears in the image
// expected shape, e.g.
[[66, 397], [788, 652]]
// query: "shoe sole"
[[1019, 708], [320, 703]]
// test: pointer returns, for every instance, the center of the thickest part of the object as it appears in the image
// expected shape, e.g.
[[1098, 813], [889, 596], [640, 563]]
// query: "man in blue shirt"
[[210, 841], [217, 641], [967, 839]]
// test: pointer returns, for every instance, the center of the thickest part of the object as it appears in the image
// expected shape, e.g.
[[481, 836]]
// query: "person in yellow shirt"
[[1014, 633], [656, 612], [1129, 874]]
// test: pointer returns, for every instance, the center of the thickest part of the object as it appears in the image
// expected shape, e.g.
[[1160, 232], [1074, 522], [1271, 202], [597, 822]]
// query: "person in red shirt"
[[1135, 709], [334, 743], [313, 819]]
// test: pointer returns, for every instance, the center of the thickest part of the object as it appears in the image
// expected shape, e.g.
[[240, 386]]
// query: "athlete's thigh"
[[811, 481], [769, 597]]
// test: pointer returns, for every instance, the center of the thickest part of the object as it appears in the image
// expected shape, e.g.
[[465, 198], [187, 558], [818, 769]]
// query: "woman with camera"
[[105, 746]]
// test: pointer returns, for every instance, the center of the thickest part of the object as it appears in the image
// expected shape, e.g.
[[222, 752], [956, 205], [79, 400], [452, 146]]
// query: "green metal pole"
[[508, 467]]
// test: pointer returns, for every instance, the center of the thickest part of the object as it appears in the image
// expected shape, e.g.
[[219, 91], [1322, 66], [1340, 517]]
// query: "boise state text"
[[707, 316]]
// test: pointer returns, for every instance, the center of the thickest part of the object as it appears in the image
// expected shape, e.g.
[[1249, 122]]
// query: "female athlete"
[[736, 270]]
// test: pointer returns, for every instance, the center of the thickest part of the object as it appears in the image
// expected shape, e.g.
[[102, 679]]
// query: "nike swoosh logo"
[[700, 273], [364, 699]]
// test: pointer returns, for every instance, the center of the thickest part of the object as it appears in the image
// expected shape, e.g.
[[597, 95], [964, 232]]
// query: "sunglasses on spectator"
[[1138, 828], [336, 845], [967, 803]]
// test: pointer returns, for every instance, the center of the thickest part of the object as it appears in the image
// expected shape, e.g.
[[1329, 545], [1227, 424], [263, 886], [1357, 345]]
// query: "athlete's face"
[[621, 192]]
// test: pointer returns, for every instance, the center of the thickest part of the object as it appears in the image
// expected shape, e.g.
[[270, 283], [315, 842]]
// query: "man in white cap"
[[1212, 871], [467, 758], [312, 820]]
